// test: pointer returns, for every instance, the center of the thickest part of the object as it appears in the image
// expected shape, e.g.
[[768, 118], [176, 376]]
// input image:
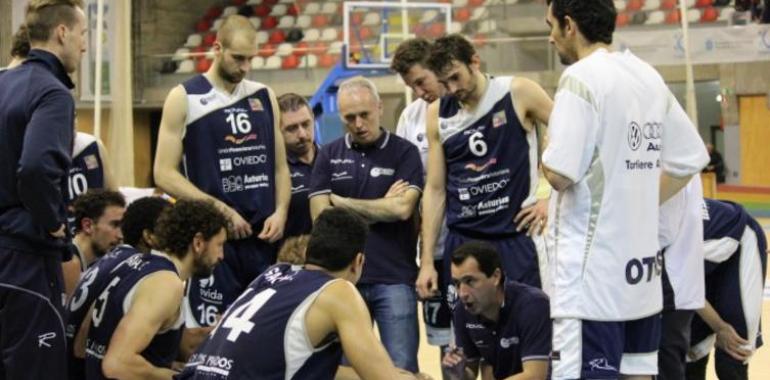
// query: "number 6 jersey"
[[491, 162], [263, 334], [229, 146]]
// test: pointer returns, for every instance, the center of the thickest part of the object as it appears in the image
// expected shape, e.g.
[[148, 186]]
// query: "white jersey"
[[615, 125], [680, 233], [411, 126]]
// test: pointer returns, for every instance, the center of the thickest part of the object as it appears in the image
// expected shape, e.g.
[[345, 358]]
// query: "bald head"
[[236, 28]]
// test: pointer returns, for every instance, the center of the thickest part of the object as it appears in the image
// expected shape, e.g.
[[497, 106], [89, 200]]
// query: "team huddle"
[[564, 239]]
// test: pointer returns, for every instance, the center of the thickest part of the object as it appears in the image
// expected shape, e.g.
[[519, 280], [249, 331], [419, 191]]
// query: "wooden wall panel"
[[755, 140]]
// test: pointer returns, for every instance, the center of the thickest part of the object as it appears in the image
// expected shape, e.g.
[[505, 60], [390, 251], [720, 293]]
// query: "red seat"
[[673, 17], [710, 14], [290, 62], [202, 65], [293, 10], [365, 32], [239, 2], [318, 48], [202, 26], [269, 22], [476, 3], [262, 10], [320, 21], [209, 39], [266, 50], [213, 13], [327, 60], [703, 3], [667, 4], [356, 18], [622, 20], [634, 5], [277, 37], [462, 15], [436, 30], [301, 48]]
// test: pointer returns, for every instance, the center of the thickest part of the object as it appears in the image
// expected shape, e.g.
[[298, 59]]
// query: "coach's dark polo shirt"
[[299, 221], [522, 332], [367, 172]]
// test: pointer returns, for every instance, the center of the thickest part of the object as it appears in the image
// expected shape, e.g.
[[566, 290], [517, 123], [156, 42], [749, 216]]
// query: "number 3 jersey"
[[263, 335], [229, 146], [114, 302], [491, 162]]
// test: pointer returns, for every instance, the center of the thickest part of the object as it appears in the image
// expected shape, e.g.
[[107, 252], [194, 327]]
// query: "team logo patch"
[[239, 141], [634, 136], [91, 162], [256, 104], [499, 119], [378, 171]]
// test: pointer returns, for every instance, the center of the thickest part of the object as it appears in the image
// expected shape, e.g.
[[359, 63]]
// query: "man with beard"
[[298, 127], [135, 325], [98, 218], [138, 225], [619, 146], [483, 159], [223, 132]]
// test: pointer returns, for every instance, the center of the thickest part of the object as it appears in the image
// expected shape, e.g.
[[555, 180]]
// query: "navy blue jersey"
[[263, 334], [491, 162], [87, 170], [367, 172], [299, 221], [229, 146], [91, 284], [522, 332], [113, 303], [722, 220]]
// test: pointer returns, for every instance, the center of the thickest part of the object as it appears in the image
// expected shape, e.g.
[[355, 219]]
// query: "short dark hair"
[[338, 236], [142, 215], [595, 19], [20, 43], [178, 225], [454, 47], [411, 52], [484, 253], [92, 204], [44, 15], [291, 102]]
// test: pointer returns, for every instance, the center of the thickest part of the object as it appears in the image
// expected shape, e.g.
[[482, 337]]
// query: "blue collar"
[[381, 142], [52, 63]]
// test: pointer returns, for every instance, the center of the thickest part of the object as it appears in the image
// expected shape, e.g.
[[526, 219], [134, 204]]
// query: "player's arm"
[[341, 308], [318, 203], [683, 154], [110, 183], [275, 223], [727, 338], [386, 209], [434, 195], [169, 155], [532, 370], [191, 339], [534, 102], [571, 134], [150, 311]]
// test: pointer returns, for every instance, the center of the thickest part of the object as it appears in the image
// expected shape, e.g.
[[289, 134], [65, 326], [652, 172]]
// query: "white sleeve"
[[402, 123], [571, 130], [683, 151]]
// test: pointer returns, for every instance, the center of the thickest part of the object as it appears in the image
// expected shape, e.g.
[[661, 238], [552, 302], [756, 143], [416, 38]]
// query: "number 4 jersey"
[[263, 335], [229, 145]]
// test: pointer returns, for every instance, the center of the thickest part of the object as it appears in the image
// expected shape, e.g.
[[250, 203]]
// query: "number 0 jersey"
[[491, 162], [263, 334], [229, 146]]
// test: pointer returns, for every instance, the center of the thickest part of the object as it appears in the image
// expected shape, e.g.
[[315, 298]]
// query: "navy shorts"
[[604, 350], [32, 334], [436, 312], [208, 297]]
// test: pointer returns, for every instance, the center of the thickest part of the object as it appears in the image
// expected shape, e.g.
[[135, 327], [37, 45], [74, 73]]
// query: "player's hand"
[[61, 233], [730, 342], [397, 189], [237, 227], [427, 282], [533, 218], [272, 230], [454, 363]]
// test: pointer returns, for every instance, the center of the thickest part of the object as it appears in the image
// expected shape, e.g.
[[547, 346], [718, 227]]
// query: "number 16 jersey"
[[229, 146]]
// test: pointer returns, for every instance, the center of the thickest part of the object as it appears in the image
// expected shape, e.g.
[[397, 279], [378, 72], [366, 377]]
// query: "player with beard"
[[135, 325], [222, 131]]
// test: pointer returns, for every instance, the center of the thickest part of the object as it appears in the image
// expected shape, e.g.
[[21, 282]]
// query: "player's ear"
[[476, 61], [570, 26], [359, 262], [87, 225], [498, 276], [149, 238], [198, 243]]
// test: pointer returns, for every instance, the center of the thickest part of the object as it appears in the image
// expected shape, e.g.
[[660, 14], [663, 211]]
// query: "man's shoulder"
[[525, 295]]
